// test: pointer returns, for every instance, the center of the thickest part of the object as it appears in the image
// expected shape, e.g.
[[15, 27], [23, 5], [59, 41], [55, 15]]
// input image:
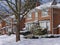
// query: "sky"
[[2, 8], [45, 1]]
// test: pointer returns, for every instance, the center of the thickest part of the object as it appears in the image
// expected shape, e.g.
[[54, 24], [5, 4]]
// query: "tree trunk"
[[18, 29], [18, 20]]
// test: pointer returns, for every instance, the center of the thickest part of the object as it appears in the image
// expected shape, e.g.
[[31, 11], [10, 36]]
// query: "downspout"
[[52, 22]]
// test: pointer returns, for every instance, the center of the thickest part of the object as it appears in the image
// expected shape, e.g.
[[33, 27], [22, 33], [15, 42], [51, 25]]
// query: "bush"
[[44, 31], [37, 30]]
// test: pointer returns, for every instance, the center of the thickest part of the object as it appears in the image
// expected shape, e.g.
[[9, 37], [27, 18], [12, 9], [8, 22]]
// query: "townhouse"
[[48, 16]]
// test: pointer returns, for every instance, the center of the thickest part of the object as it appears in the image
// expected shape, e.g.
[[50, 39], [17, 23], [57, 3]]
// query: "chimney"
[[54, 2], [38, 3]]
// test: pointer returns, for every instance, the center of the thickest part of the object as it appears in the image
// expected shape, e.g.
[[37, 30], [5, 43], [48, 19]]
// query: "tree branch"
[[1, 18], [5, 8], [25, 14], [12, 3], [19, 6], [16, 4], [11, 7]]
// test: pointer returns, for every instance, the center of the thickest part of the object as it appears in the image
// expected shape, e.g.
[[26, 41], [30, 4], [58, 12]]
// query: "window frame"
[[44, 13], [29, 15]]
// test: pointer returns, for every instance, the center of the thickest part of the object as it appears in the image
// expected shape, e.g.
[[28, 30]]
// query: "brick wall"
[[56, 18]]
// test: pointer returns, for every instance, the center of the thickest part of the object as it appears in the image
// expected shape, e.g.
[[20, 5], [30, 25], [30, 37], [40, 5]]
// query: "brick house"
[[48, 16], [8, 24]]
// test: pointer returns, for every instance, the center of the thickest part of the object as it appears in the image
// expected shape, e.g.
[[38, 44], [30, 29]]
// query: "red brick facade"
[[56, 19]]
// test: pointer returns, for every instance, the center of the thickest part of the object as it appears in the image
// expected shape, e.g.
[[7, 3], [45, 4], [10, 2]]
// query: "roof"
[[48, 5]]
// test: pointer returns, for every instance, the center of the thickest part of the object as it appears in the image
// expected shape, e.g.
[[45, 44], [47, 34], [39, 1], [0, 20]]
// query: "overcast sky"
[[42, 1], [45, 1]]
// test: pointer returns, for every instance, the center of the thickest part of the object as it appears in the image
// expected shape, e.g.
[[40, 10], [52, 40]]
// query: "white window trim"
[[45, 11], [29, 16], [47, 24], [36, 15]]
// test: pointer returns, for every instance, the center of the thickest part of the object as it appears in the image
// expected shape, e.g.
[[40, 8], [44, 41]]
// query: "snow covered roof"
[[48, 5]]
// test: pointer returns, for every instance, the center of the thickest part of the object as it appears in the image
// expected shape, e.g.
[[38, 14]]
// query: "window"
[[29, 15], [45, 24], [36, 14], [44, 12], [48, 25], [28, 26]]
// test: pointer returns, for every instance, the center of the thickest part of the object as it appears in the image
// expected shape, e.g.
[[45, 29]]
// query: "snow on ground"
[[42, 41], [4, 39], [10, 40]]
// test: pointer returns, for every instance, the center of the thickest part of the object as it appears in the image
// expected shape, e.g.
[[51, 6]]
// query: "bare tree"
[[20, 10]]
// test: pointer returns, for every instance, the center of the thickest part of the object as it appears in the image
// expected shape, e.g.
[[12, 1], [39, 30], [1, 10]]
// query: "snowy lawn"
[[10, 40]]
